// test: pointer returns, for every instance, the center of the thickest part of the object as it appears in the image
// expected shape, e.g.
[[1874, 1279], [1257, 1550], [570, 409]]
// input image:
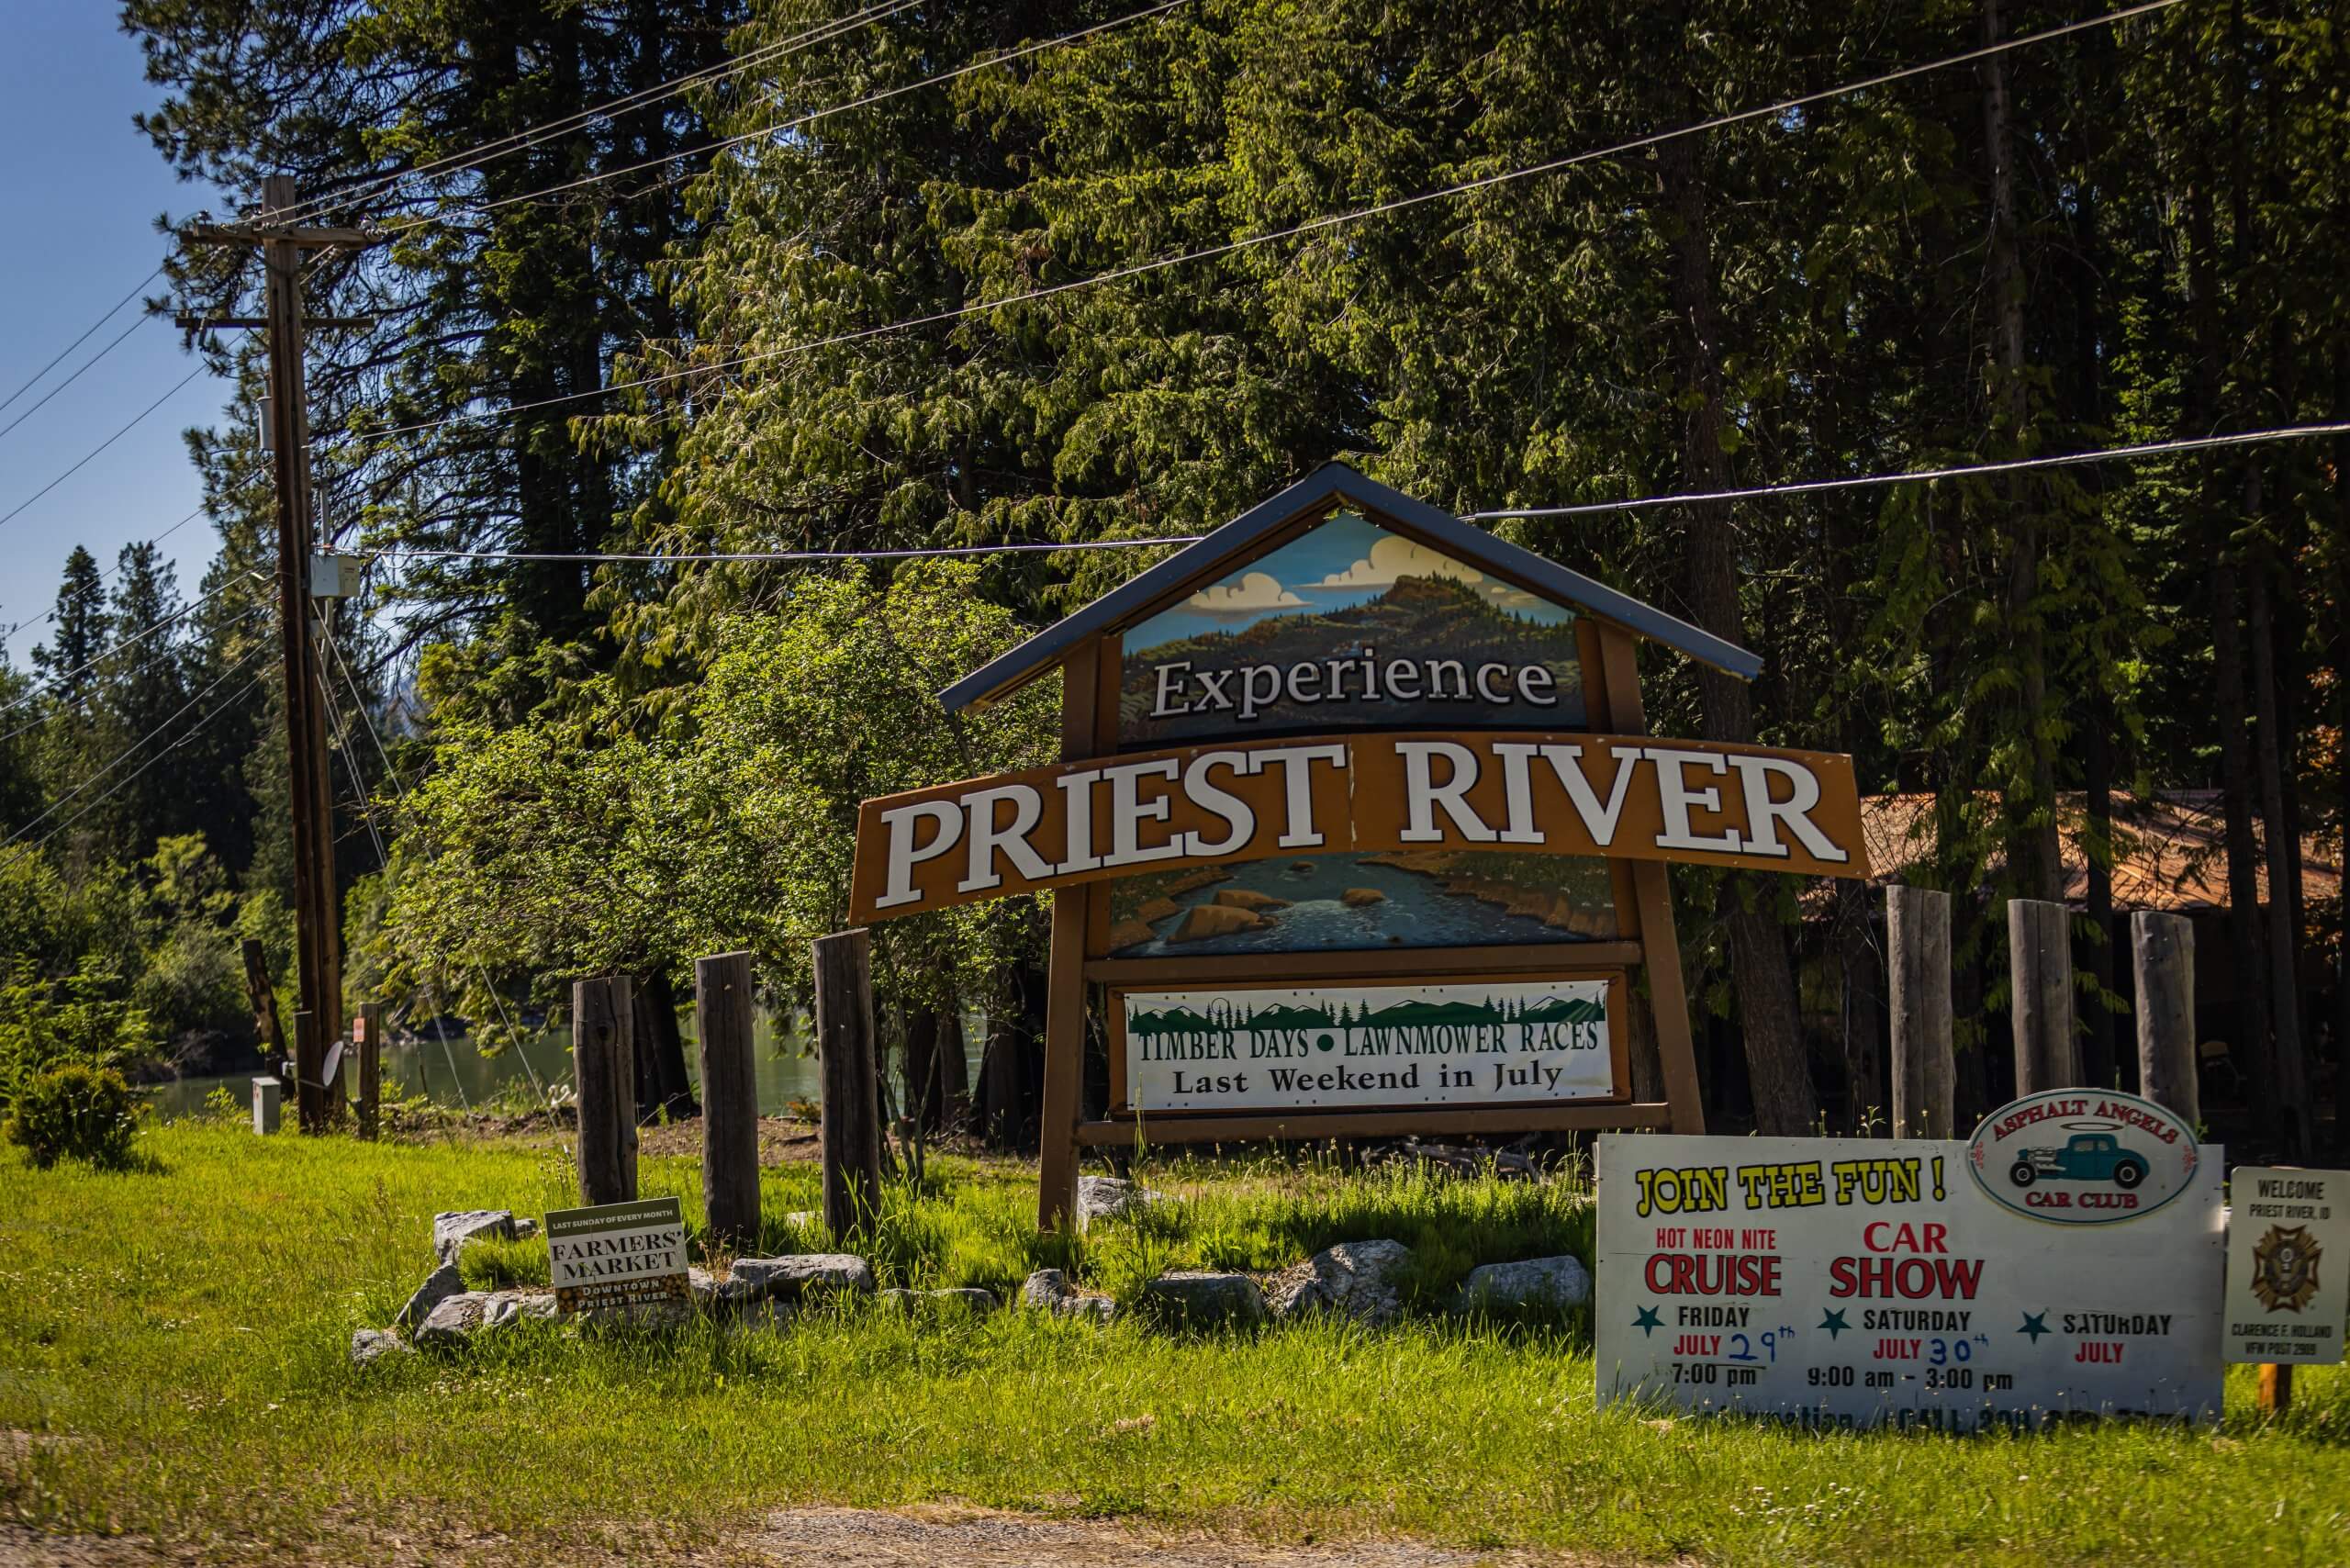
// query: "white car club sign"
[[1841, 1282]]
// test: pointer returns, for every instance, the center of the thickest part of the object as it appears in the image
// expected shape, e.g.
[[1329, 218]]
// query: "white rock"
[[769, 1315], [798, 1277], [1109, 1197], [439, 1286], [452, 1229], [1048, 1290], [1542, 1285], [704, 1287], [1357, 1278], [1203, 1298], [471, 1315], [373, 1344]]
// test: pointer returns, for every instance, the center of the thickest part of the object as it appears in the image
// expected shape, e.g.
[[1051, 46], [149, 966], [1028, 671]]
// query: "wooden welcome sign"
[[1357, 832]]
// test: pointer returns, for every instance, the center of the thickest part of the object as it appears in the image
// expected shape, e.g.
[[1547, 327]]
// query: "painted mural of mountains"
[[1417, 619]]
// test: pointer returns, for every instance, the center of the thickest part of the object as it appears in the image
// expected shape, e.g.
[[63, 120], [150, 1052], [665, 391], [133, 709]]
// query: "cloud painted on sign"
[[1391, 558], [1254, 592], [1508, 598]]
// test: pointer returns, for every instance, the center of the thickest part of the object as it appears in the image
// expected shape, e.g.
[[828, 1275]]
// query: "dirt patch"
[[782, 1139], [973, 1538], [935, 1537]]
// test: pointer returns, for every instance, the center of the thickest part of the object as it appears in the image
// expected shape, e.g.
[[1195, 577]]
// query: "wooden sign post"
[[1358, 831]]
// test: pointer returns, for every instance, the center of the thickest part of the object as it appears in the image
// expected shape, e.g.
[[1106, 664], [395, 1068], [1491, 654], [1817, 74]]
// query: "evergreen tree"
[[83, 628]]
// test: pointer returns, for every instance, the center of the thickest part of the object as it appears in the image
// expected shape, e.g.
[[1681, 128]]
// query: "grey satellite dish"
[[334, 1061]]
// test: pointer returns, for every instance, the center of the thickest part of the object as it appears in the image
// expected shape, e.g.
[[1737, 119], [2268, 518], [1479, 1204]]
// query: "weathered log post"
[[367, 1040], [307, 1063], [852, 1109], [730, 1100], [2039, 970], [263, 996], [603, 1066], [951, 1068], [2161, 954], [1916, 935]]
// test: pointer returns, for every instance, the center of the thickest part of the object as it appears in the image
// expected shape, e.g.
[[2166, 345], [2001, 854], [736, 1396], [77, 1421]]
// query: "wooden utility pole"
[[316, 910]]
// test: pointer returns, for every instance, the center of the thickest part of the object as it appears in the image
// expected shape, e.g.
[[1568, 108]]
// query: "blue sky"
[[83, 187], [1347, 561]]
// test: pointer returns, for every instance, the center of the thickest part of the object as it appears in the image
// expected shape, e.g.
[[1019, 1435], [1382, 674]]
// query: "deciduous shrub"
[[87, 1113]]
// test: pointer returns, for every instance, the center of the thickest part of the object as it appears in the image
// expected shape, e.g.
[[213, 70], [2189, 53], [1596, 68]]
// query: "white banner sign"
[[1292, 1048], [1852, 1283], [2288, 1246]]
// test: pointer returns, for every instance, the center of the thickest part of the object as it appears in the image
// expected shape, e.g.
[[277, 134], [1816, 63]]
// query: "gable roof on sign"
[[1322, 491]]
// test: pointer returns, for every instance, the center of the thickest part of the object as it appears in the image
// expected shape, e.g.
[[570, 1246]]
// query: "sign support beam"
[[1056, 1137], [1619, 678]]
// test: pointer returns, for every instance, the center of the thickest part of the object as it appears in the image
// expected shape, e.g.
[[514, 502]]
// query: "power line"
[[399, 784], [113, 343], [489, 152], [82, 701], [108, 652], [403, 554], [120, 756], [1002, 57], [1137, 269], [77, 342], [1915, 476], [35, 847], [91, 455], [1636, 503], [113, 571], [341, 732]]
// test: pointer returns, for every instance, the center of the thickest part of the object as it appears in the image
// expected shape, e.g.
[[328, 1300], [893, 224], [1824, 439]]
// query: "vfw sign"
[[1843, 1282], [1283, 1047]]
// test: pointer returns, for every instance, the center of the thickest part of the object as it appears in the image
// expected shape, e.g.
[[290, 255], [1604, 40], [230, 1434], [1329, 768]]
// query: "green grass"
[[175, 1341]]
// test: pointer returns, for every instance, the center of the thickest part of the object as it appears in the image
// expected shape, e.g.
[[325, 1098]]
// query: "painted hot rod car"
[[2086, 1157]]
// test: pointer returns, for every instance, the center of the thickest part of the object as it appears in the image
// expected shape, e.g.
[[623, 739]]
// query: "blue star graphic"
[[1647, 1322], [1834, 1323], [2035, 1324]]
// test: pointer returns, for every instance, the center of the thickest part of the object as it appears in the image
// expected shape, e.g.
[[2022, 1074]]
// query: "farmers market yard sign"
[[1357, 831]]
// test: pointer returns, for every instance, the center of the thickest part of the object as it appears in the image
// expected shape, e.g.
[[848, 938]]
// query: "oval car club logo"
[[2082, 1157]]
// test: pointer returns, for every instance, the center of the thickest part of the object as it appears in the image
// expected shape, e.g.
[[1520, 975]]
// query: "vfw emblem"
[[2284, 1268]]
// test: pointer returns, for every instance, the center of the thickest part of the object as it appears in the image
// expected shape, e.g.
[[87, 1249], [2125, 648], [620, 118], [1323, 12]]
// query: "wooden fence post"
[[1917, 939], [367, 1040], [603, 1066], [730, 1100], [2162, 954], [851, 1130], [2039, 970]]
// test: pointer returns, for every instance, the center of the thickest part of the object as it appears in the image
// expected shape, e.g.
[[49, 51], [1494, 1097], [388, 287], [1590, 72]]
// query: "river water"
[[462, 1076]]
